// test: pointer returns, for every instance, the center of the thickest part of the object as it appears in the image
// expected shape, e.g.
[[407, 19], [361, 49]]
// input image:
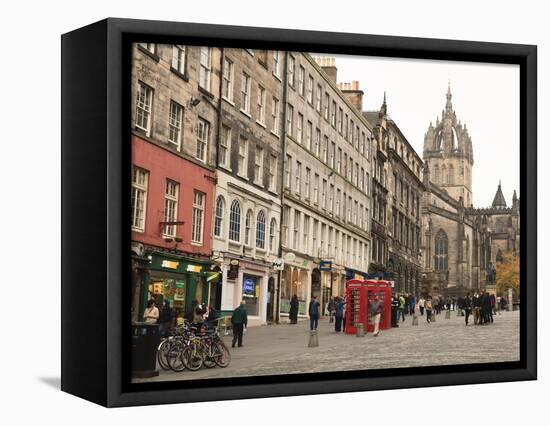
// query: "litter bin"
[[145, 341]]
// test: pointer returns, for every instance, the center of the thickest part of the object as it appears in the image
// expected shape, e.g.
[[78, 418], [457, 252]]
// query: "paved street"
[[282, 349]]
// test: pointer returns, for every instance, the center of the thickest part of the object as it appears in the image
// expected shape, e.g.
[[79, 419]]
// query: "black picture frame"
[[95, 234]]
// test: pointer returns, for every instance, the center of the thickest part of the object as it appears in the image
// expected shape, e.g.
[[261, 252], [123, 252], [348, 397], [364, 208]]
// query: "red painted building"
[[171, 227]]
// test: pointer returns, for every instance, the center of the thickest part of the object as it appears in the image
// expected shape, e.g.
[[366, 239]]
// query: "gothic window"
[[443, 174], [436, 173], [260, 230], [441, 251], [218, 219], [235, 222]]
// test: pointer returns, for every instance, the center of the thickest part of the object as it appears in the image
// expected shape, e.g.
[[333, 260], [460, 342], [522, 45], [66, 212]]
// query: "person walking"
[[239, 320], [166, 319], [412, 304], [331, 305], [476, 308], [338, 314], [401, 311], [151, 313], [293, 312], [467, 307], [421, 302], [344, 306], [493, 301], [313, 313], [375, 312], [198, 313], [428, 305]]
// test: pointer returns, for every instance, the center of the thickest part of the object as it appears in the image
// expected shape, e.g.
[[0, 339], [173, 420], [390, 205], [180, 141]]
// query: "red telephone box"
[[382, 290], [356, 305]]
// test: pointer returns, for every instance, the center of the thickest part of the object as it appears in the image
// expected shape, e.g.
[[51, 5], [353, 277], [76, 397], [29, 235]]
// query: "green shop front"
[[178, 279]]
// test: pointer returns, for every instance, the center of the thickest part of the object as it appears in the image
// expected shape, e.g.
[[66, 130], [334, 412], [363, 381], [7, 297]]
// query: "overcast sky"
[[485, 98]]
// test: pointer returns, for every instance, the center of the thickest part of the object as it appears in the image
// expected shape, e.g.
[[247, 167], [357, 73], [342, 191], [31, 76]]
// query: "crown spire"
[[449, 105], [499, 200]]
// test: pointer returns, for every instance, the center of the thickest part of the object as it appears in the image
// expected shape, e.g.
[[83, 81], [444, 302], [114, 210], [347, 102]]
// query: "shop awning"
[[212, 276]]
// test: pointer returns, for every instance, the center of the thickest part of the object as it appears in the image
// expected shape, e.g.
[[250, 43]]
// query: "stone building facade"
[[397, 189], [326, 202]]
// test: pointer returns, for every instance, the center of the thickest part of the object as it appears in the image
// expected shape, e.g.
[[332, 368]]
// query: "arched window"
[[443, 174], [441, 251], [247, 225], [451, 175], [260, 230], [235, 221], [218, 219], [436, 173], [272, 233]]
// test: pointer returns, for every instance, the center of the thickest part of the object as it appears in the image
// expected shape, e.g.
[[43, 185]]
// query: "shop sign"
[[278, 264], [325, 265], [290, 257], [249, 286], [233, 272], [194, 268], [170, 264], [179, 291]]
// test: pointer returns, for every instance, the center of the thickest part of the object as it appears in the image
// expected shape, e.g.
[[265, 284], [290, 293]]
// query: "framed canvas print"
[[253, 212]]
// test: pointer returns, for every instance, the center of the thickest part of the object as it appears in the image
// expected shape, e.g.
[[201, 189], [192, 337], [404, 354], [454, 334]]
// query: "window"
[[243, 156], [326, 109], [362, 145], [261, 104], [309, 131], [275, 116], [150, 47], [314, 235], [277, 64], [300, 128], [272, 234], [441, 251], [356, 175], [178, 58], [325, 149], [346, 132], [260, 230], [205, 68], [225, 146], [318, 98], [247, 227], [324, 194], [301, 77], [245, 93], [362, 179], [227, 81], [144, 106], [218, 218], [331, 199], [286, 219], [355, 211], [203, 131], [367, 182], [332, 155], [298, 186], [291, 66], [307, 182], [288, 171], [357, 138], [345, 166], [305, 234], [170, 207], [333, 114], [350, 207], [310, 90], [290, 119], [174, 124], [198, 217], [296, 229], [316, 189], [338, 196], [140, 179], [272, 173], [259, 165], [339, 161], [340, 120], [317, 143]]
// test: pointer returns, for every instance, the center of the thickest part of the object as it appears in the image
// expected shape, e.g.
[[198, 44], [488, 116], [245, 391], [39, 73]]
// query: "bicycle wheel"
[[162, 353], [223, 356], [174, 357], [192, 358], [208, 353]]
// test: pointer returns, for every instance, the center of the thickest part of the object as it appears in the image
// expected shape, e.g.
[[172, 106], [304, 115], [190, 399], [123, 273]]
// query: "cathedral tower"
[[449, 155]]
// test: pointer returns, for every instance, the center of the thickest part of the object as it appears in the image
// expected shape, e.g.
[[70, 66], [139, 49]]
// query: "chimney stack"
[[353, 93], [328, 65]]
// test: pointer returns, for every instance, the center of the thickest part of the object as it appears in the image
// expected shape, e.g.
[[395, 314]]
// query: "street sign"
[[278, 264], [325, 265]]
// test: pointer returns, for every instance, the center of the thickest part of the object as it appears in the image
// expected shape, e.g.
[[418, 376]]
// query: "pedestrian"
[[313, 312], [375, 312], [344, 307], [151, 313], [482, 307], [448, 303], [488, 308], [330, 308], [394, 309], [212, 318], [293, 313], [477, 308], [401, 309], [198, 312], [239, 321], [493, 301], [338, 314], [412, 304], [428, 305], [467, 306], [503, 303], [166, 318], [421, 302]]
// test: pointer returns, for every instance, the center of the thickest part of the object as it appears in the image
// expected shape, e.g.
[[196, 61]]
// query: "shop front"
[[177, 279], [296, 279]]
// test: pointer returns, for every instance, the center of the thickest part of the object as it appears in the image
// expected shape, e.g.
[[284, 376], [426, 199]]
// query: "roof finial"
[[384, 108], [449, 105]]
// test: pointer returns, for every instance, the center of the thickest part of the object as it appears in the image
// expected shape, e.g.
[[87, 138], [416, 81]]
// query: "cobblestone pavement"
[[282, 349]]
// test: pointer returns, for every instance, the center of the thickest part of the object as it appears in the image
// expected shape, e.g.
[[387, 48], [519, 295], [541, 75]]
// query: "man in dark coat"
[[166, 318], [313, 313], [338, 314], [239, 321], [293, 312], [466, 304]]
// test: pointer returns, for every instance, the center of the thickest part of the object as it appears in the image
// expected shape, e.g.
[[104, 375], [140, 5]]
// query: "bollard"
[[313, 339], [447, 314], [415, 320], [433, 316], [360, 330]]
